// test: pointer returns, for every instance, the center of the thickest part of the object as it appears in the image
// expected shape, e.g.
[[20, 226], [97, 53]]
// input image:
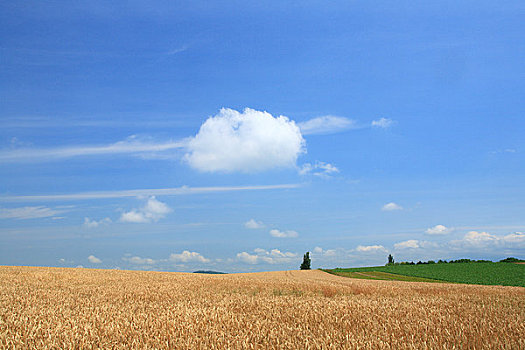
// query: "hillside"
[[84, 308], [505, 274]]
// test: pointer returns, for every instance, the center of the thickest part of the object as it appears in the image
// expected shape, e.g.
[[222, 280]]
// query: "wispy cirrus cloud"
[[330, 124], [28, 213], [327, 124], [177, 50], [131, 145], [382, 123], [40, 122], [175, 191]]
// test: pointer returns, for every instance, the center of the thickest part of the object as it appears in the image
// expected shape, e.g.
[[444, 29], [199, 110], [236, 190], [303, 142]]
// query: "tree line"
[[391, 262], [306, 264]]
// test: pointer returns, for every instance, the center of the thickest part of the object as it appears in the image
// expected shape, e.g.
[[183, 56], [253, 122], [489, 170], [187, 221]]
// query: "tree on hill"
[[306, 262], [390, 259]]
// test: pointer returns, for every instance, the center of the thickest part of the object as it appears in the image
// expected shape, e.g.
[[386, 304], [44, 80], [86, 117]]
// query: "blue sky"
[[236, 136]]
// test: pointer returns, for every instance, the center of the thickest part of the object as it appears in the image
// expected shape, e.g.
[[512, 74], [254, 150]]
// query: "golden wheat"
[[52, 308]]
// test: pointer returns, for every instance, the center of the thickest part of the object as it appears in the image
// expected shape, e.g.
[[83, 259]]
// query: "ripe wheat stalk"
[[52, 308]]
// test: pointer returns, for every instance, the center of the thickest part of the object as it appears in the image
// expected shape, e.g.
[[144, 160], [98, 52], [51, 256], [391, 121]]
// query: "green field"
[[506, 274]]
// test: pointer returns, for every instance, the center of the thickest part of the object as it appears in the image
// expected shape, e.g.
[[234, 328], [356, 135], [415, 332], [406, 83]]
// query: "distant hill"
[[210, 272]]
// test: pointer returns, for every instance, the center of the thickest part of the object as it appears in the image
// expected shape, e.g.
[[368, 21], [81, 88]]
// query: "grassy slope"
[[378, 275], [506, 274]]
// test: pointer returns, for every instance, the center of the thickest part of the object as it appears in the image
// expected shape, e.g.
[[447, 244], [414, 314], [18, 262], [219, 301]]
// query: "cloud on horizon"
[[137, 260], [94, 260], [188, 257], [275, 256], [485, 240], [370, 248], [409, 244]]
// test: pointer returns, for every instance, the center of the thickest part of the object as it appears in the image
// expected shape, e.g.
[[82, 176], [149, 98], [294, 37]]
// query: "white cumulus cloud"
[[284, 234], [154, 210], [274, 256], [438, 230], [249, 141], [248, 258], [94, 260], [187, 256], [324, 252], [327, 124], [411, 243], [320, 169], [487, 241], [94, 223], [391, 207], [515, 238], [139, 261], [370, 248], [382, 123], [252, 224], [479, 238]]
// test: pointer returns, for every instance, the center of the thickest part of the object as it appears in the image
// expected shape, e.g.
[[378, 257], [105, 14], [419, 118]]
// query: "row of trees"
[[306, 264], [458, 261]]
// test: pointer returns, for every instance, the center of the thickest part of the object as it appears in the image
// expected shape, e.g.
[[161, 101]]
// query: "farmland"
[[84, 308], [506, 274]]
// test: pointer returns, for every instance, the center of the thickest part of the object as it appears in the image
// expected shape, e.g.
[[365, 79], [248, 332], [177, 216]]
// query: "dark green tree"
[[390, 259], [306, 262]]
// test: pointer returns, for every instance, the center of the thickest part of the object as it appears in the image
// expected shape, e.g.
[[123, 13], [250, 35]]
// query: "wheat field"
[[59, 308]]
